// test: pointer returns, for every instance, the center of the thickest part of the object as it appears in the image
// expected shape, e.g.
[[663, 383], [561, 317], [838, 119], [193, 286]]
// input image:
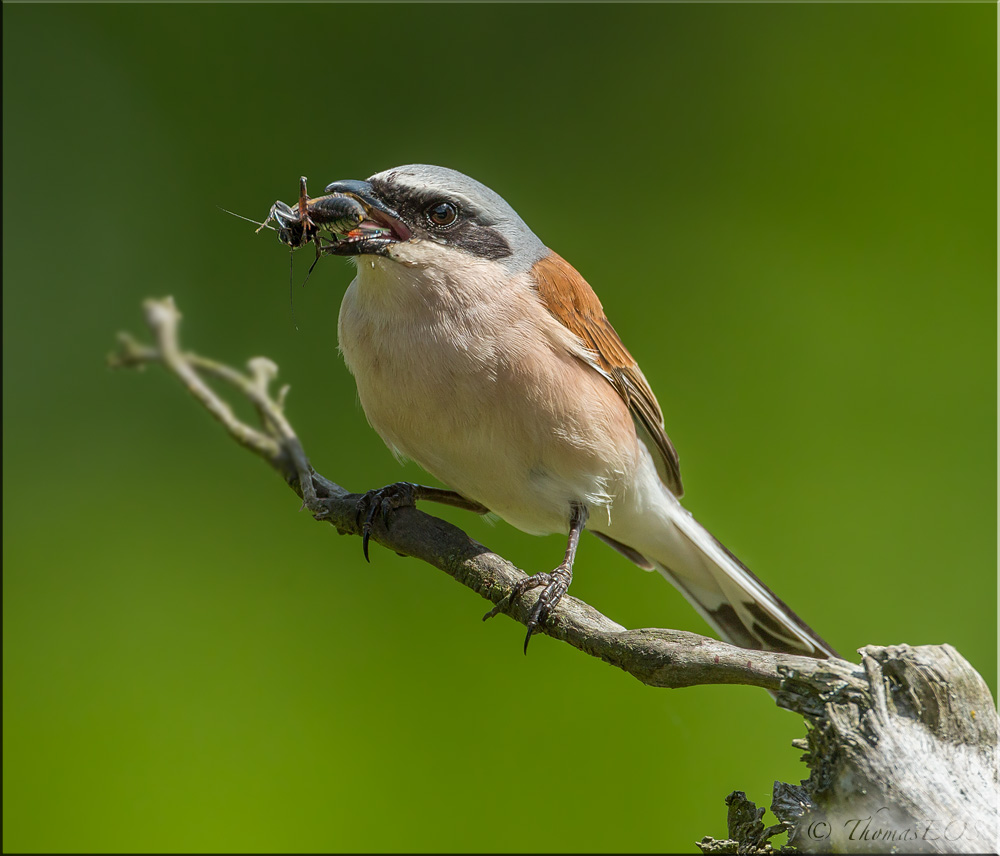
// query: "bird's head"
[[424, 215]]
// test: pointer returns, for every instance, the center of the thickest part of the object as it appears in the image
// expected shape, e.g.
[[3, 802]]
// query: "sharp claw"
[[539, 615], [527, 639], [366, 530], [382, 502]]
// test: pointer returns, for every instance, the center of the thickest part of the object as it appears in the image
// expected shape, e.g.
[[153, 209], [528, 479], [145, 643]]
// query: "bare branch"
[[661, 658], [908, 735]]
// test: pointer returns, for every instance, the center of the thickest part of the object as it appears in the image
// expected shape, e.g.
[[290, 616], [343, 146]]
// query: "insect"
[[335, 214]]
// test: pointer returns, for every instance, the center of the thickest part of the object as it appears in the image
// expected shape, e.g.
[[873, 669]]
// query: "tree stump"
[[902, 753]]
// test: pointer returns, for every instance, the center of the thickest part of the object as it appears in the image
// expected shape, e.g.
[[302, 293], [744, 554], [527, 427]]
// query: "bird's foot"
[[383, 501], [556, 584]]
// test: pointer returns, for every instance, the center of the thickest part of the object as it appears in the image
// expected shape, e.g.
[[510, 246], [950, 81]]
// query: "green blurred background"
[[789, 213]]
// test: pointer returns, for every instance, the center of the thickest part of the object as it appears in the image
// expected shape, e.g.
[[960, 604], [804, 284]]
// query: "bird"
[[486, 358]]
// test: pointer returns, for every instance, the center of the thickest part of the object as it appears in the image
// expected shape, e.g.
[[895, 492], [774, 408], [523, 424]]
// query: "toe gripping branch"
[[556, 583], [382, 501]]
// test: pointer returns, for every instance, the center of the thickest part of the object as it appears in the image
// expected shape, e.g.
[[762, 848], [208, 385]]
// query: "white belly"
[[486, 397]]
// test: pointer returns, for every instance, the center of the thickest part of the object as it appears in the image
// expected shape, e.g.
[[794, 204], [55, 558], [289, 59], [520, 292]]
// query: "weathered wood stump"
[[902, 753]]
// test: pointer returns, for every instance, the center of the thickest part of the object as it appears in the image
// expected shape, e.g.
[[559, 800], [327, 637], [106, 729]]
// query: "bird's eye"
[[442, 213]]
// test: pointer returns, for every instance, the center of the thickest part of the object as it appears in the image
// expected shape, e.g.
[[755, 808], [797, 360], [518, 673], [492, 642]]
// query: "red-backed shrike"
[[486, 358]]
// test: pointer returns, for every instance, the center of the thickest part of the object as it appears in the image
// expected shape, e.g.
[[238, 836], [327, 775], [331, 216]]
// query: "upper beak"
[[378, 212]]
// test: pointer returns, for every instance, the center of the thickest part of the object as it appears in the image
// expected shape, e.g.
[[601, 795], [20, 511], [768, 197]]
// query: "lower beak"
[[381, 227]]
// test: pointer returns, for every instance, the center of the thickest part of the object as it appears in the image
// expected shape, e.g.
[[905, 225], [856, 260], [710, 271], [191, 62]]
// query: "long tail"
[[721, 588]]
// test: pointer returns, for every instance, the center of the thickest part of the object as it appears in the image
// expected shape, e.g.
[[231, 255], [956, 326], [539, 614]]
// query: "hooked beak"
[[381, 227]]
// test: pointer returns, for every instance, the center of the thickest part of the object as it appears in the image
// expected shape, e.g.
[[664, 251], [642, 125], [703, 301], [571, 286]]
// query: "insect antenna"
[[258, 224]]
